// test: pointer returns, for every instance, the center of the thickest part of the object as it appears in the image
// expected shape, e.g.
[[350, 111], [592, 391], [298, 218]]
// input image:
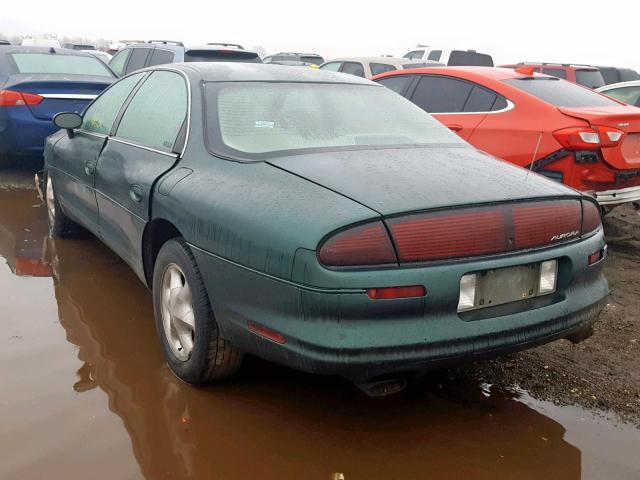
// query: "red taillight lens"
[[545, 223], [591, 218], [367, 244], [11, 98], [449, 234], [609, 136], [387, 293], [578, 138]]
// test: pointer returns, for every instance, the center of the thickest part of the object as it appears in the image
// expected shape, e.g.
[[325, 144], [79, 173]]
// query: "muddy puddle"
[[84, 393]]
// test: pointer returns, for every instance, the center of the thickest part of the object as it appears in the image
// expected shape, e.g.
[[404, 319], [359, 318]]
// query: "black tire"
[[212, 357], [60, 226]]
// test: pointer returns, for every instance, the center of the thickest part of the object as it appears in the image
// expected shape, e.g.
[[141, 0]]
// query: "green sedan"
[[320, 221]]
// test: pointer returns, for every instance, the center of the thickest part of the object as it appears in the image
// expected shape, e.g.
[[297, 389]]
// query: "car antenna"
[[535, 154]]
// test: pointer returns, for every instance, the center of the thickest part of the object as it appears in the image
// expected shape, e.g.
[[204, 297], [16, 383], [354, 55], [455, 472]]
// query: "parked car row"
[[322, 221]]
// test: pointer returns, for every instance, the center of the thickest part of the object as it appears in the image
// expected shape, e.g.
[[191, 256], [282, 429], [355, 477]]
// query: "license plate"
[[505, 285]]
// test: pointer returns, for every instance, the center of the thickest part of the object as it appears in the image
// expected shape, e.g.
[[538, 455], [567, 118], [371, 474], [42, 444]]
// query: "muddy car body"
[[282, 217]]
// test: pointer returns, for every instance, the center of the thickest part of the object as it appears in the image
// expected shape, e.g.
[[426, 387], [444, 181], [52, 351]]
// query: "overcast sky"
[[555, 31]]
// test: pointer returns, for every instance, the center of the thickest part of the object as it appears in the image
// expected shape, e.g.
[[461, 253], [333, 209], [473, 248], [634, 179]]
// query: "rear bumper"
[[342, 331], [617, 196], [21, 133]]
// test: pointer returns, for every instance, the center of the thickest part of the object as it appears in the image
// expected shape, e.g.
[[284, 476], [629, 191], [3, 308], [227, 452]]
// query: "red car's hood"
[[626, 155]]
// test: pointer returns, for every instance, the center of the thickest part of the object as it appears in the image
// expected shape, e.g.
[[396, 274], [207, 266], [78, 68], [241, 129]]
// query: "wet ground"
[[84, 392]]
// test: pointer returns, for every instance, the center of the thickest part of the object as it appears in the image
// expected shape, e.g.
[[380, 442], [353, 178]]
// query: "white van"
[[450, 57], [40, 41]]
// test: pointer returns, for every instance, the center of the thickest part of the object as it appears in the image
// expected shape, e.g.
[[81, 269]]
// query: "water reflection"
[[271, 422]]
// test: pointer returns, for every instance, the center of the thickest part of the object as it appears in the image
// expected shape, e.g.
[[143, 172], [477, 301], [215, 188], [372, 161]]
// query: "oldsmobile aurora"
[[321, 221]]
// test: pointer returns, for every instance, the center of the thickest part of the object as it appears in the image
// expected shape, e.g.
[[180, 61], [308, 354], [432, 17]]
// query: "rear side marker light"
[[396, 292], [548, 277], [11, 98], [267, 333], [596, 257]]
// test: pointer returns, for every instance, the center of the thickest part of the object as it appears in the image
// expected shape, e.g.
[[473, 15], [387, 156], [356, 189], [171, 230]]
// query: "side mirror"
[[68, 121]]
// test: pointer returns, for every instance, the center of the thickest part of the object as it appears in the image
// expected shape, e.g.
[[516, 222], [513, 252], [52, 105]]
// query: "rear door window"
[[436, 94], [560, 93], [589, 78], [353, 68], [377, 68], [138, 59], [119, 61], [461, 58], [100, 115], [555, 72], [156, 114], [398, 83], [435, 55], [161, 57], [480, 100]]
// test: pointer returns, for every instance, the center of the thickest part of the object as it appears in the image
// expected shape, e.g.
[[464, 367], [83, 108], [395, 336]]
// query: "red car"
[[585, 75], [566, 132]]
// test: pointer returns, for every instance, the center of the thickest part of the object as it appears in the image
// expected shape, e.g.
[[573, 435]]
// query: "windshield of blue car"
[[258, 120], [52, 63]]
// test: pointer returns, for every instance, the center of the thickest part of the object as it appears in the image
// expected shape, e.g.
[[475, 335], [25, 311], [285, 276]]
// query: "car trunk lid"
[[396, 180], [61, 93], [626, 154]]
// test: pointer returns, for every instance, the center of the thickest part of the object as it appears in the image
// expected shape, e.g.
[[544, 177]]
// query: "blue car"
[[38, 82]]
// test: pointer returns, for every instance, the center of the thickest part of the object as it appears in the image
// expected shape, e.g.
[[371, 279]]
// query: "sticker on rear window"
[[264, 124]]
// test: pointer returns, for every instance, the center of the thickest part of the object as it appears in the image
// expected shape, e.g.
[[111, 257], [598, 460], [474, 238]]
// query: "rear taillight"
[[588, 138], [459, 233], [367, 244], [11, 98], [449, 234], [591, 218], [546, 222]]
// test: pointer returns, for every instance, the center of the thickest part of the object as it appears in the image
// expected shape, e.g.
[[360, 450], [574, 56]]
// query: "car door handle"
[[454, 127], [135, 192], [89, 168]]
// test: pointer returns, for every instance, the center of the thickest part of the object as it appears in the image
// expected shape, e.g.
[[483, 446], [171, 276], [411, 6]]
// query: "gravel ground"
[[603, 372]]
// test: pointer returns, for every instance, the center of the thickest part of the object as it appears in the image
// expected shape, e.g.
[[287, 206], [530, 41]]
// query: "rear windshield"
[[314, 59], [560, 92], [460, 58], [221, 56], [60, 64], [256, 121], [589, 78]]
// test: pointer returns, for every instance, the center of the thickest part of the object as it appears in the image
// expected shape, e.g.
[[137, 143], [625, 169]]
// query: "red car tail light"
[[367, 244], [449, 234], [591, 218], [396, 292], [609, 136], [545, 223], [11, 98], [578, 138]]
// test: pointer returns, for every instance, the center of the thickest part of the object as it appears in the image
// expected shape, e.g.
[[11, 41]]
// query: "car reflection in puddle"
[[268, 422]]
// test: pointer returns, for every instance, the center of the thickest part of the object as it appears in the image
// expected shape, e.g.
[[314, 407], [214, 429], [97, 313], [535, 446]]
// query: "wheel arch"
[[156, 233]]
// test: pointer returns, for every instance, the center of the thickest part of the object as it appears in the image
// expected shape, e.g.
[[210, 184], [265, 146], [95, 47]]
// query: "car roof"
[[7, 49], [631, 83], [260, 72], [177, 45], [494, 73], [391, 60], [556, 65], [297, 53]]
